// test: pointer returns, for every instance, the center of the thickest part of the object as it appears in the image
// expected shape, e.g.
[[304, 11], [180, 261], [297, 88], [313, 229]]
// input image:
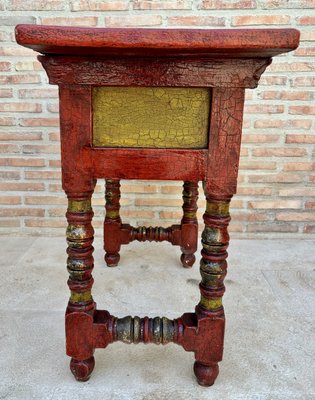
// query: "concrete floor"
[[269, 303]]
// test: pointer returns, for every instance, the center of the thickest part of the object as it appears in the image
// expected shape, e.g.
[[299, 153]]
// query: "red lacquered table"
[[157, 105]]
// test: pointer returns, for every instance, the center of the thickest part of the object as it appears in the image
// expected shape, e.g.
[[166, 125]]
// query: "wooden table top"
[[235, 43]]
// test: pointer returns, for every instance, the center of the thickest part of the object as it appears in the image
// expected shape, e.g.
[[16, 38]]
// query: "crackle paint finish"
[[146, 93], [150, 117]]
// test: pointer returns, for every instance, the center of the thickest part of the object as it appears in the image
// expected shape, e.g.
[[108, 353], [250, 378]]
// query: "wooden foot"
[[206, 374], [82, 369], [112, 260], [187, 260]]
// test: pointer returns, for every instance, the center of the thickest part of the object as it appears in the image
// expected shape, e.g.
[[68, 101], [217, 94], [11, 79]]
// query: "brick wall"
[[276, 193]]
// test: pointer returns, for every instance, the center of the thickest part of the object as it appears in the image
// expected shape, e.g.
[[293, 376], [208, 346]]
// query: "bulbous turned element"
[[151, 234], [187, 260], [206, 374], [82, 369], [147, 330]]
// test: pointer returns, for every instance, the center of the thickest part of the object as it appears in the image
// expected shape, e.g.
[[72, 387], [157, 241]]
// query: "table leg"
[[80, 263], [189, 224], [112, 223], [213, 266]]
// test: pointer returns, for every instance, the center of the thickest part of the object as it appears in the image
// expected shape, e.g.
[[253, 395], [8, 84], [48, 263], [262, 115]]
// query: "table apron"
[[151, 164]]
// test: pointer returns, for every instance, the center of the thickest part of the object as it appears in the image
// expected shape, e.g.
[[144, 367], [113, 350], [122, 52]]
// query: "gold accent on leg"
[[80, 297], [79, 205], [211, 304], [220, 209]]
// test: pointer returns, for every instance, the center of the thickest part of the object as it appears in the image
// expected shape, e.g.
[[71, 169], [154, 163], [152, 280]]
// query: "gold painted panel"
[[150, 117]]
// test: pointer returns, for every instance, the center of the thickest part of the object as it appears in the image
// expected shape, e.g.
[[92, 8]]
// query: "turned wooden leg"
[[112, 223], [189, 224], [213, 266], [81, 306]]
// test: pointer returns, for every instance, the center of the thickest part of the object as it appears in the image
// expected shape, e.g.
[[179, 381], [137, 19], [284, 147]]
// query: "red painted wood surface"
[[157, 71], [153, 42], [226, 60]]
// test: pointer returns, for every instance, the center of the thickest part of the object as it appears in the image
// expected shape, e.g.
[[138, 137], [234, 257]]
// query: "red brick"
[[307, 36], [45, 200], [306, 20], [310, 205], [22, 162], [227, 4], [7, 121], [158, 202], [9, 175], [196, 21], [39, 122], [250, 138], [258, 165], [299, 166], [264, 109], [302, 110], [299, 124], [10, 200], [269, 123], [133, 20], [21, 186], [20, 107], [303, 81], [134, 188], [274, 204], [44, 93], [254, 191], [291, 67], [304, 52], [39, 149], [5, 66], [14, 19], [137, 213], [42, 223], [295, 216], [28, 66], [308, 139], [9, 223], [70, 21], [260, 20], [9, 148], [20, 212], [280, 152], [54, 136], [273, 80], [250, 216], [297, 192], [39, 175], [285, 95], [275, 178], [53, 107], [107, 5], [174, 215], [6, 93], [16, 51], [35, 5], [57, 212], [54, 187], [162, 5], [20, 136], [55, 163], [17, 79], [270, 4]]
